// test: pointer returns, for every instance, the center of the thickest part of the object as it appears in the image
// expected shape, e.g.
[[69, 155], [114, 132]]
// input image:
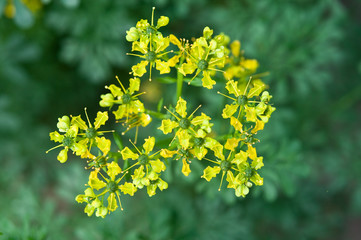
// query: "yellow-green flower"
[[153, 53], [126, 99], [185, 126], [68, 140], [108, 185], [150, 162], [238, 65], [204, 56], [237, 167], [145, 29], [90, 134], [244, 102]]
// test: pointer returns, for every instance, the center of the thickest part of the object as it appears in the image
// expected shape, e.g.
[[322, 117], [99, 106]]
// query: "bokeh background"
[[57, 55]]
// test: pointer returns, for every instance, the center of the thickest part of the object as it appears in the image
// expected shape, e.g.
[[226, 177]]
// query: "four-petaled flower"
[[204, 56]]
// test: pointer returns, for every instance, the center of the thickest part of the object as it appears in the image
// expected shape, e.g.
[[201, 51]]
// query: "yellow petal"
[[235, 48], [128, 188], [148, 144], [232, 143], [229, 110], [101, 118], [127, 153], [134, 84], [210, 172], [167, 153], [168, 126], [157, 165], [259, 126], [56, 137], [63, 155], [112, 202], [252, 152], [139, 69], [207, 81], [162, 66], [103, 144], [236, 124], [232, 88], [185, 169], [181, 107], [113, 170]]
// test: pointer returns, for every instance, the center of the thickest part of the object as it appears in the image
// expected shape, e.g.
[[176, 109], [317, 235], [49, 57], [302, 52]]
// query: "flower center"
[[250, 139], [150, 56], [151, 30], [242, 100], [202, 65], [225, 165], [198, 142], [237, 60], [248, 172], [112, 186], [90, 133], [184, 123], [67, 141], [143, 159], [126, 98], [184, 153]]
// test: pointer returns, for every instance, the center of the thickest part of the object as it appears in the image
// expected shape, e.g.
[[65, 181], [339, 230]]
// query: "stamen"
[[198, 71], [190, 116], [135, 147], [211, 161], [126, 170], [86, 114], [235, 89], [220, 185], [137, 55], [136, 135], [120, 84], [139, 94], [224, 95], [245, 90], [155, 153], [60, 145], [152, 15], [120, 203], [217, 70], [172, 113], [164, 53], [150, 71]]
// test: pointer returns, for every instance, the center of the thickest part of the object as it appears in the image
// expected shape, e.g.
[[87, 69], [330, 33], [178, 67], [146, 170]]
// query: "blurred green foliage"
[[56, 60]]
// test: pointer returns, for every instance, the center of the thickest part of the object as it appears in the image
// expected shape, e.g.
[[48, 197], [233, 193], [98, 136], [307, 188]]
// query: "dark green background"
[[56, 62]]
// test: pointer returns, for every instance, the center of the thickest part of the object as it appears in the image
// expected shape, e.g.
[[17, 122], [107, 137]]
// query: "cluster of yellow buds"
[[212, 60]]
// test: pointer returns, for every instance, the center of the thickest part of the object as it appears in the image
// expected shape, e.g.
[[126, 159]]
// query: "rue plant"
[[209, 60]]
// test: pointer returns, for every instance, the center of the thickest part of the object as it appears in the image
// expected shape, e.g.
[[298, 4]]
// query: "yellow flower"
[[204, 56], [185, 126], [126, 99], [238, 65]]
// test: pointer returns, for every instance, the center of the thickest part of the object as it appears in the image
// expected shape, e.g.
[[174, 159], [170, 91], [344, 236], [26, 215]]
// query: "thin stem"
[[179, 81], [155, 114]]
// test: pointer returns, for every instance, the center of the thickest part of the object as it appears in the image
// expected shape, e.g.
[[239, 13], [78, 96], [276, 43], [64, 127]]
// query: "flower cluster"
[[189, 134]]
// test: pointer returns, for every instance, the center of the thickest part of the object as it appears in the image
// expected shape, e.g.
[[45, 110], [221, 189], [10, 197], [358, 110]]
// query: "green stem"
[[179, 81], [155, 114]]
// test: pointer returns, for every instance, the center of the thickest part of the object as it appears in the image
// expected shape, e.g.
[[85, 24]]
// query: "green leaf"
[[166, 80], [160, 105], [118, 140]]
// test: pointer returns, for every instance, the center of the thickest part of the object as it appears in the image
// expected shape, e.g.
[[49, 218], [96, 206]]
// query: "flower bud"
[[132, 34], [107, 100], [63, 124], [162, 21]]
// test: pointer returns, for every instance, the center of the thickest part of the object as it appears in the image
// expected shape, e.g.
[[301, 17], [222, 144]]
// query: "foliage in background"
[[58, 65]]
